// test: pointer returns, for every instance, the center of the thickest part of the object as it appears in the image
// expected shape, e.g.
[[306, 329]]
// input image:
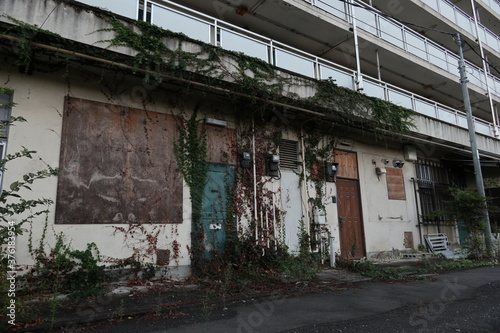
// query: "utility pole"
[[473, 144]]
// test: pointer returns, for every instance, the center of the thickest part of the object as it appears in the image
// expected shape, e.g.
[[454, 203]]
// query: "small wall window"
[[5, 111]]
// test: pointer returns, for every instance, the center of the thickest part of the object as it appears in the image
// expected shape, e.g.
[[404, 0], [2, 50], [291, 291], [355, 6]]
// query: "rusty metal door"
[[352, 243]]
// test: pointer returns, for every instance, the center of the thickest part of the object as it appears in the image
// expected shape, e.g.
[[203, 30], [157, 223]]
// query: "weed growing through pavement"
[[121, 310]]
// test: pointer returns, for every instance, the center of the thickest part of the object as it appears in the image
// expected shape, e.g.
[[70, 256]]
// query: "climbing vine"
[[160, 52], [191, 154], [356, 109]]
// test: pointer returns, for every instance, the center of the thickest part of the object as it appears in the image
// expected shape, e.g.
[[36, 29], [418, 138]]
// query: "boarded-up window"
[[395, 184], [348, 164], [118, 166], [221, 144]]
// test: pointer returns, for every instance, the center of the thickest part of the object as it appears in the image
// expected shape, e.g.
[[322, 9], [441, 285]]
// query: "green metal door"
[[220, 181], [463, 235]]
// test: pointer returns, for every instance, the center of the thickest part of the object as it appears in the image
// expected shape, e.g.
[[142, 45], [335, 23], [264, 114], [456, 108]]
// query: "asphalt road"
[[462, 301]]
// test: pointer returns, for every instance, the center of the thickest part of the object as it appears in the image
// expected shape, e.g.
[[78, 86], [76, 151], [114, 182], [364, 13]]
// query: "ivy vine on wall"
[[191, 154]]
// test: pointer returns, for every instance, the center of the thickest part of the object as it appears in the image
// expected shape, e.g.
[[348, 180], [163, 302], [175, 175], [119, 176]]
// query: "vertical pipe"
[[267, 227], [254, 179], [485, 69], [418, 211], [359, 76], [379, 75], [304, 182], [274, 218]]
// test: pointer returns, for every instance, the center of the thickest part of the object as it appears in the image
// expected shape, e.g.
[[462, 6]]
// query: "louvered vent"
[[289, 152]]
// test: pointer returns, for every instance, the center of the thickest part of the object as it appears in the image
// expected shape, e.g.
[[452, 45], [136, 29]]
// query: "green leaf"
[[14, 186]]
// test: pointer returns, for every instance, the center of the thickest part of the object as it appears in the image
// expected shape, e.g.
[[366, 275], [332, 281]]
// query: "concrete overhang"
[[75, 23]]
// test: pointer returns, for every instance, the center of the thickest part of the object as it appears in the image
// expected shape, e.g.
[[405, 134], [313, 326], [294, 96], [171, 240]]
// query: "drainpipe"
[[379, 74], [485, 69], [304, 183], [418, 211], [359, 76], [254, 181]]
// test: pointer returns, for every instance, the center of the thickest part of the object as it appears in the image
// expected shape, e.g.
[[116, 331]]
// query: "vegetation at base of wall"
[[247, 264], [250, 264], [63, 270], [468, 206], [418, 272]]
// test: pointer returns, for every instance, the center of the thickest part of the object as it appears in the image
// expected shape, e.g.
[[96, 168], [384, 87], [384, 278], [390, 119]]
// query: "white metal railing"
[[493, 4], [463, 20], [216, 32], [407, 39]]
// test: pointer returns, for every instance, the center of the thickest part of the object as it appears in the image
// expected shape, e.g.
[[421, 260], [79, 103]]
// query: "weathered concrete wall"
[[40, 99]]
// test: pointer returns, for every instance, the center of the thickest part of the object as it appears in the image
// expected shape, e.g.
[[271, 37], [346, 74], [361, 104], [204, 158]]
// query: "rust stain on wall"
[[118, 166]]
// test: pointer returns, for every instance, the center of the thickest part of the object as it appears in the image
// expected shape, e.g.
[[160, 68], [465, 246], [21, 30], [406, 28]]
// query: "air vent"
[[289, 151]]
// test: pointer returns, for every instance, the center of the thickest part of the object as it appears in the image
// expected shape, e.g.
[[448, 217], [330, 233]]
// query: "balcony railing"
[[210, 30], [463, 20], [493, 4], [412, 42]]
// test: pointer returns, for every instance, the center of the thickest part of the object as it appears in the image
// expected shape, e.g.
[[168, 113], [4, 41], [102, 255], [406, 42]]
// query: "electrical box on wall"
[[320, 216], [273, 165], [410, 153], [246, 159]]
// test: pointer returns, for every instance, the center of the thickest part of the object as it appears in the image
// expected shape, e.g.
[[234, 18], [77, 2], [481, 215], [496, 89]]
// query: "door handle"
[[340, 222]]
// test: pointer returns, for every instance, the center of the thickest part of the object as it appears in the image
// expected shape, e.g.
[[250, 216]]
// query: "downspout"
[[304, 183], [255, 216], [485, 69], [418, 211], [359, 76], [379, 74]]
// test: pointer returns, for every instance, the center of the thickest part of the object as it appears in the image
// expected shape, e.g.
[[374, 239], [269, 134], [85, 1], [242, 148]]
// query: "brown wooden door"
[[352, 243]]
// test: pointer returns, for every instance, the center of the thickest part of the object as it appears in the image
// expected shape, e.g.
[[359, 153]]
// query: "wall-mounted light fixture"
[[245, 160], [331, 171], [398, 163], [385, 161], [216, 122]]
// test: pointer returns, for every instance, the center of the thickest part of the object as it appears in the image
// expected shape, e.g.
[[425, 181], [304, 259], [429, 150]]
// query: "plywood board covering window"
[[348, 164], [118, 166], [395, 184], [221, 144]]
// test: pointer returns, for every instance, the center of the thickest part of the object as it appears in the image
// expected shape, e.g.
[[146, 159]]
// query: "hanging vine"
[[191, 154]]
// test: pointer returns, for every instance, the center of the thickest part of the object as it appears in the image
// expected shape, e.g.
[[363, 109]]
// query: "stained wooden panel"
[[221, 144], [395, 184], [118, 166], [408, 237], [348, 164]]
